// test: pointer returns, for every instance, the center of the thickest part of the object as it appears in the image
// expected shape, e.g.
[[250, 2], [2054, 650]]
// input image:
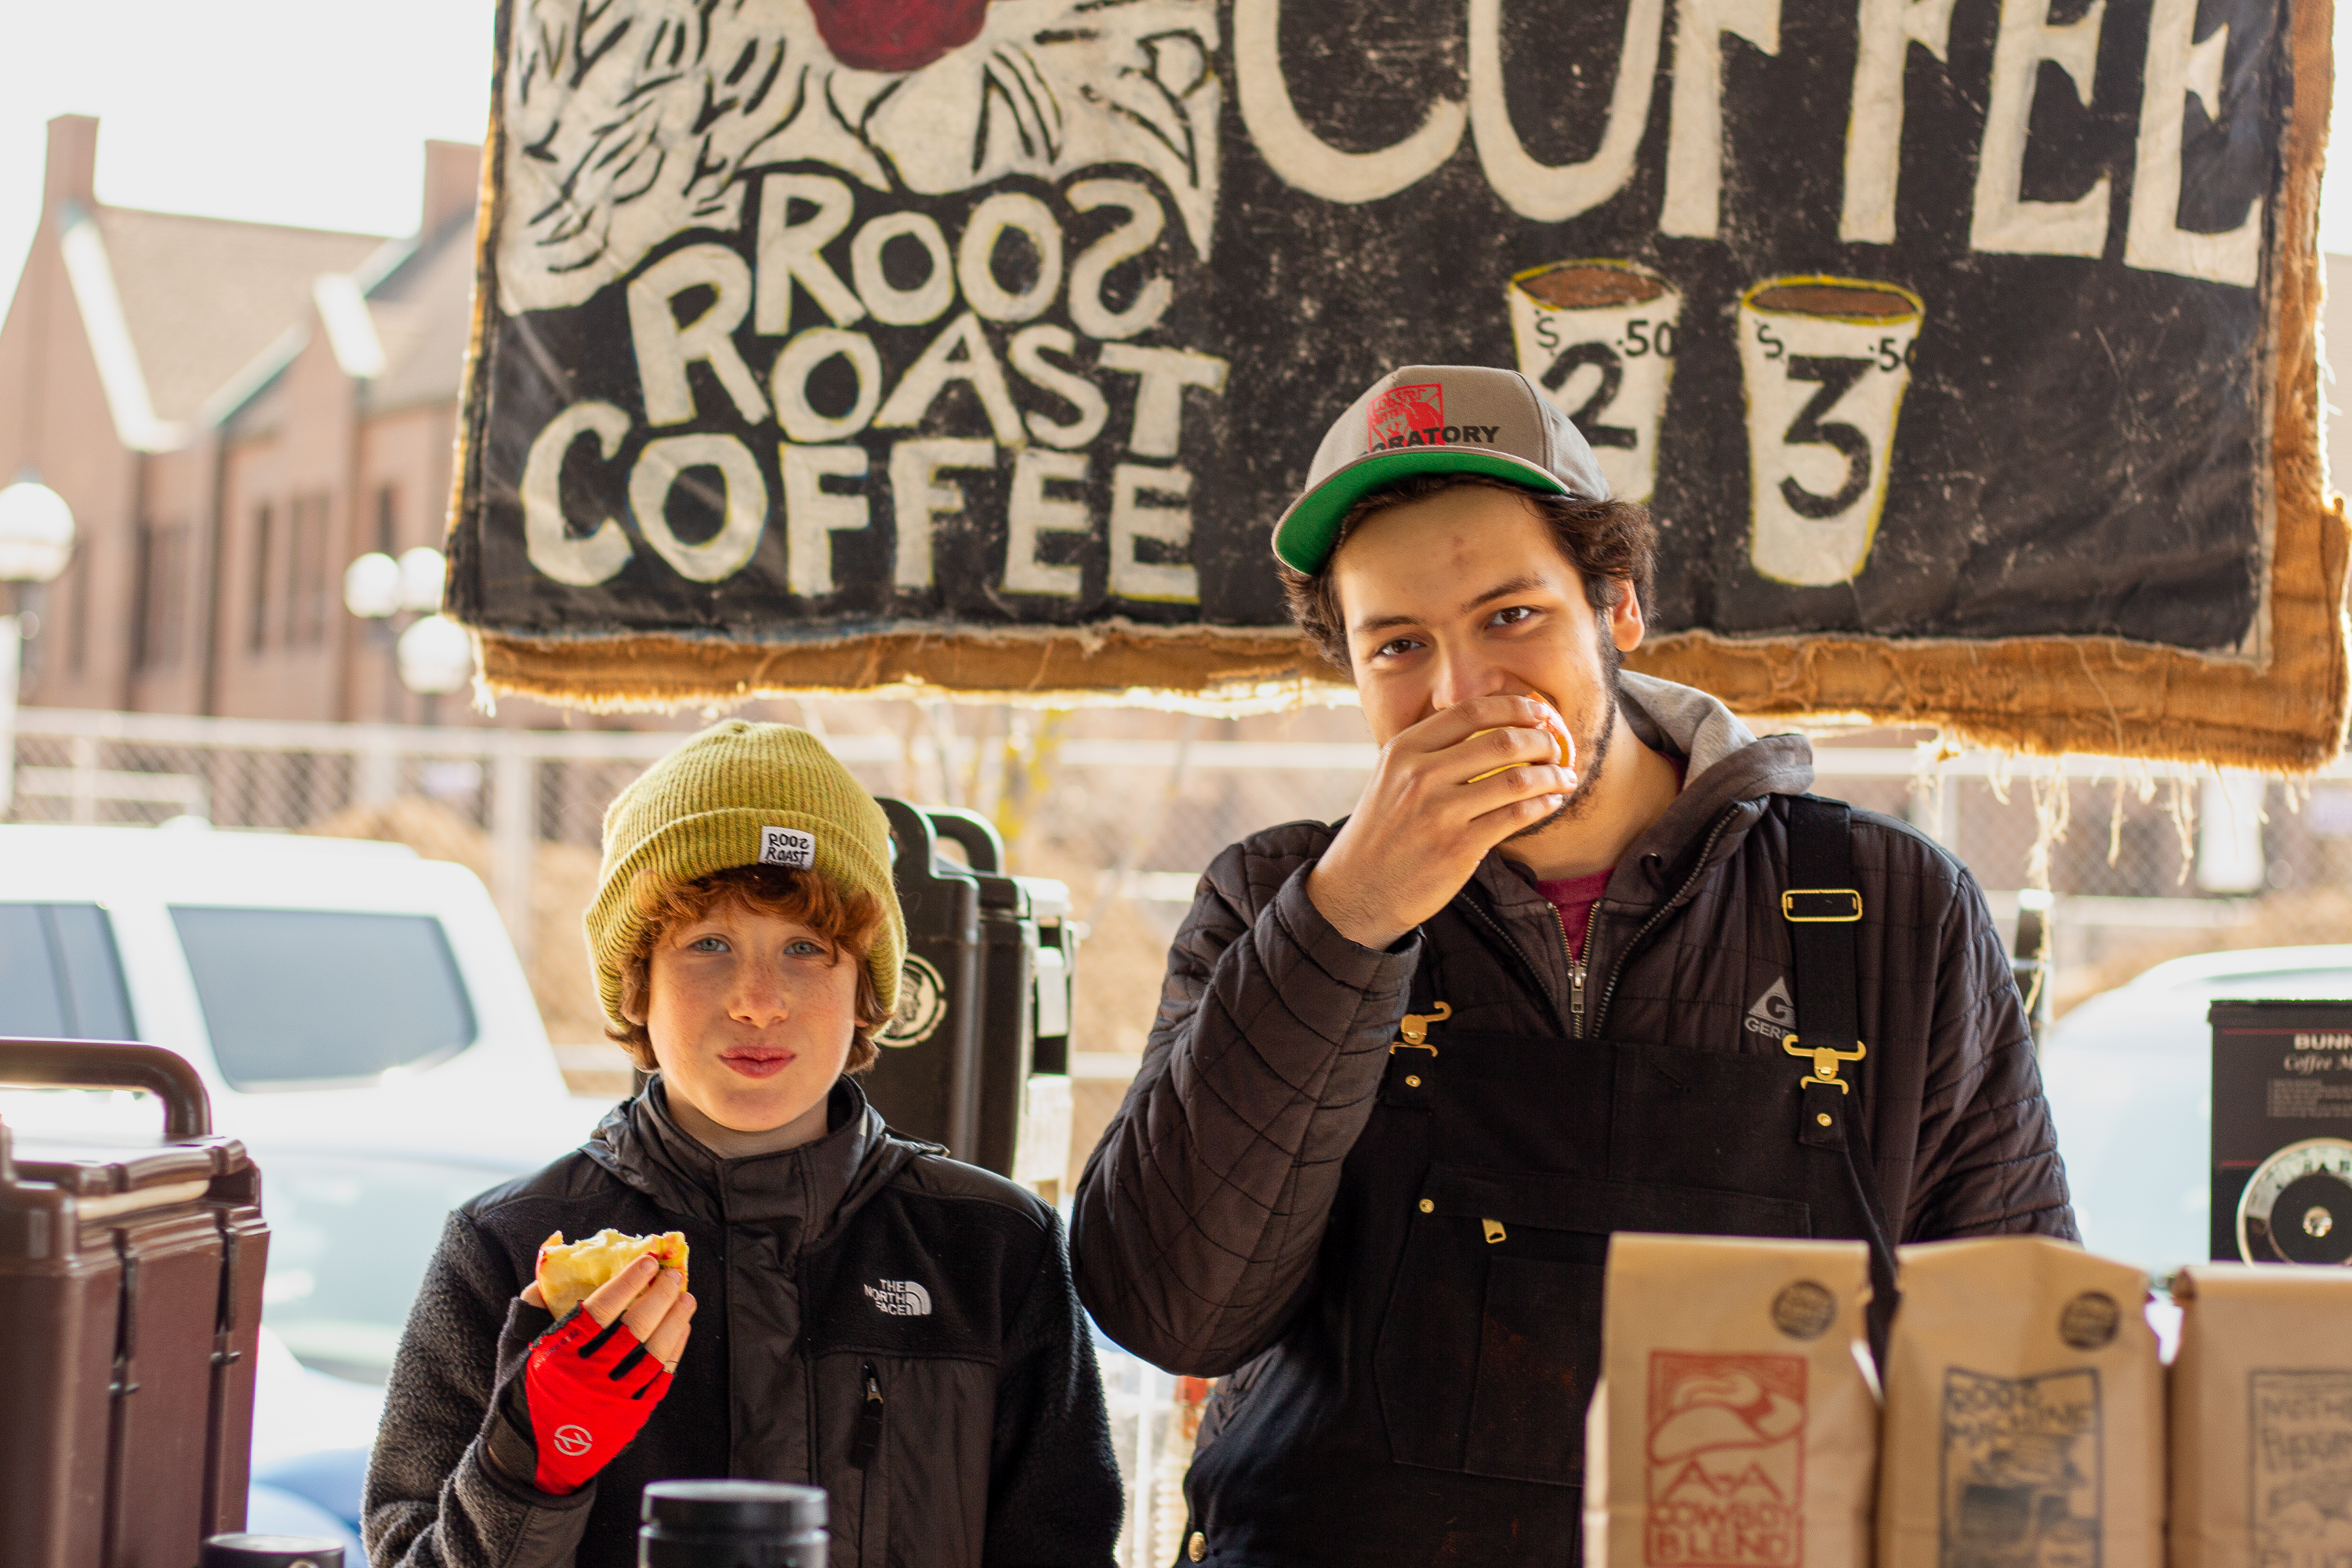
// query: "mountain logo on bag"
[[900, 1298], [1774, 1013], [1725, 1457], [573, 1441]]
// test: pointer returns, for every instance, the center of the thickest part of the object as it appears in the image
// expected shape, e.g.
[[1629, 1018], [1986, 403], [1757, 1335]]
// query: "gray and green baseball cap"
[[1435, 419]]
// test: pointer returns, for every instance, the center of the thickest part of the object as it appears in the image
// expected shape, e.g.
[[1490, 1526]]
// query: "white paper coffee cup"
[[1825, 362], [1597, 337]]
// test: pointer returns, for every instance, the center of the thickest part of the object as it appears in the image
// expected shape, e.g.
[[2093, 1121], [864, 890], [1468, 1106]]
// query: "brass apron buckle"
[[1821, 906], [1413, 1030], [1825, 1062]]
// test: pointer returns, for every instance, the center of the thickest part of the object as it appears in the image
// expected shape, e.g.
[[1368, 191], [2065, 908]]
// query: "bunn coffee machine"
[[2282, 1131]]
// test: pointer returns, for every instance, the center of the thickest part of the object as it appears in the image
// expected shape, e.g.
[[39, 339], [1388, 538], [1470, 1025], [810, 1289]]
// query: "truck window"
[[60, 978], [350, 1237], [294, 997]]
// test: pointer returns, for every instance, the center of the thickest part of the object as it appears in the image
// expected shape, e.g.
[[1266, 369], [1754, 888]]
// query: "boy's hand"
[[589, 1384]]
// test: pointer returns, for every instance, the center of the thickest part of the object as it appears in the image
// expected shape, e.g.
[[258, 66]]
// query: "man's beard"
[[1588, 760]]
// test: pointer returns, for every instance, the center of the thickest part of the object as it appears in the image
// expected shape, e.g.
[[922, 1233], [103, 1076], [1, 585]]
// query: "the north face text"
[[900, 1298]]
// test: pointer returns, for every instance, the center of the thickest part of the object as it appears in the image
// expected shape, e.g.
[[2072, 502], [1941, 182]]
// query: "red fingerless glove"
[[586, 1391]]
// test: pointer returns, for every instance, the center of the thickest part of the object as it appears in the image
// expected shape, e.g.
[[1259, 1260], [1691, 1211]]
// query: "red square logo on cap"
[[1402, 413]]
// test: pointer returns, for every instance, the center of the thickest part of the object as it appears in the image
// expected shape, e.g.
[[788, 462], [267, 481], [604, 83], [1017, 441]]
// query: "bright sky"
[[315, 111], [297, 111]]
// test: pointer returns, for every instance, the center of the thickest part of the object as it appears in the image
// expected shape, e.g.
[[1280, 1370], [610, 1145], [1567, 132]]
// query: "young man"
[[865, 1315], [1411, 1070]]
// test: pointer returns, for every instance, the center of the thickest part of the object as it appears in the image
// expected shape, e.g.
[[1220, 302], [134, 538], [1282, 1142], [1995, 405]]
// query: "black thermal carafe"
[[731, 1524], [269, 1551]]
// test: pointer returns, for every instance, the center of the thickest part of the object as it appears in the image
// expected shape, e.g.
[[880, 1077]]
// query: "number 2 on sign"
[[1603, 358]]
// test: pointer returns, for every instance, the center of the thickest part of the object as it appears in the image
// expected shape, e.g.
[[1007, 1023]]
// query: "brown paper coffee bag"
[[2025, 1411], [2262, 1417], [1734, 1427]]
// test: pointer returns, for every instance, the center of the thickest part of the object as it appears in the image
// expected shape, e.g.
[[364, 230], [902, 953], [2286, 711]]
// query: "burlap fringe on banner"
[[1218, 672], [2046, 696]]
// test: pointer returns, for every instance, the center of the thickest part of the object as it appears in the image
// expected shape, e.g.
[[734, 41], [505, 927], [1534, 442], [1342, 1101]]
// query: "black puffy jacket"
[[861, 1255], [1256, 1207]]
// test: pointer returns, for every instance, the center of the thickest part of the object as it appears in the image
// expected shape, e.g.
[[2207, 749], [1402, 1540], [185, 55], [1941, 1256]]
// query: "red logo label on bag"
[[573, 1441], [1406, 417], [1725, 1456]]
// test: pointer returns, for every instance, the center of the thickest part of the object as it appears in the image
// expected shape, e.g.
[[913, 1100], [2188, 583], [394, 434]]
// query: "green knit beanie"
[[742, 794]]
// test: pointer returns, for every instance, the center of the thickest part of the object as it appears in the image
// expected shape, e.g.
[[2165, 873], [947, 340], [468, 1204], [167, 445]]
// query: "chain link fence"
[[1126, 806]]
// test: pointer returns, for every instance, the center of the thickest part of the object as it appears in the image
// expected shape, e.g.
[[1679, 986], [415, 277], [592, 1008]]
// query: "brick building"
[[234, 411]]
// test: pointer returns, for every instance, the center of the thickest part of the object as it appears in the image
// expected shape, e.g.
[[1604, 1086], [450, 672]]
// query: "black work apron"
[[1490, 1337]]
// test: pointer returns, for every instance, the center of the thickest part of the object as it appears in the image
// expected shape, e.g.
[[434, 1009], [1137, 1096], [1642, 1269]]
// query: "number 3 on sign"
[[1825, 362]]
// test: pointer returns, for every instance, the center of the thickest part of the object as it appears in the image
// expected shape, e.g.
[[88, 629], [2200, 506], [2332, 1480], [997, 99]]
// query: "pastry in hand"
[[569, 1272], [1562, 741]]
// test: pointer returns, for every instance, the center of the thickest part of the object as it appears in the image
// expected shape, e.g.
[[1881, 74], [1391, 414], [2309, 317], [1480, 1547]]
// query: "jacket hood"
[[1725, 762], [1681, 719], [806, 1193]]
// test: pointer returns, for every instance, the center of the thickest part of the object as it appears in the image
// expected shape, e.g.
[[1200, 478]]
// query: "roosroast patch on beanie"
[[740, 793]]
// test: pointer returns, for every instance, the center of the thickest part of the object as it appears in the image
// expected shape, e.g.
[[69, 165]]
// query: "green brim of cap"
[[1310, 530]]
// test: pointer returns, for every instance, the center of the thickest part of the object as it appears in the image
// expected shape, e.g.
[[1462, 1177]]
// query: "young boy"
[[865, 1315]]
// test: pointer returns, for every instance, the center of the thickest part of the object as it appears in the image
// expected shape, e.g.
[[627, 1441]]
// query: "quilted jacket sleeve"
[[1201, 1212], [1988, 1154]]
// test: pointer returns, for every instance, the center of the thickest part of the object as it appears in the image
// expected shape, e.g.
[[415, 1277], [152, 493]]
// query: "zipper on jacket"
[[1572, 1019], [1572, 1016], [865, 1439], [1576, 963], [1698, 869], [1575, 970]]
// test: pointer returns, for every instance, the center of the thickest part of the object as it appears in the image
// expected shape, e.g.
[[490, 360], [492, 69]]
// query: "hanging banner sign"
[[1963, 352]]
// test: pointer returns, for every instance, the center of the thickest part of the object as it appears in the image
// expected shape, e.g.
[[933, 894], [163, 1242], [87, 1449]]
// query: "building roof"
[[415, 299], [203, 297], [424, 313]]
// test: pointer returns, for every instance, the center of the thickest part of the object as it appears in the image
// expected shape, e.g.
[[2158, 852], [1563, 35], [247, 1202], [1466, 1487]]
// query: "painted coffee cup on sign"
[[1598, 338], [1825, 362]]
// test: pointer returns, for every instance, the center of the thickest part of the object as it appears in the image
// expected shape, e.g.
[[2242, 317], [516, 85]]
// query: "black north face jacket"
[[1396, 1251], [860, 1257]]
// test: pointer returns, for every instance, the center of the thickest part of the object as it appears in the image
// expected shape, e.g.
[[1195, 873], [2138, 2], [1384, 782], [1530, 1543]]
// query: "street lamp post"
[[433, 655], [37, 534]]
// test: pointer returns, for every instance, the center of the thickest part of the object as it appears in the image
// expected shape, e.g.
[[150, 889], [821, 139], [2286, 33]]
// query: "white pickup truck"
[[333, 993], [356, 1011], [362, 1022]]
